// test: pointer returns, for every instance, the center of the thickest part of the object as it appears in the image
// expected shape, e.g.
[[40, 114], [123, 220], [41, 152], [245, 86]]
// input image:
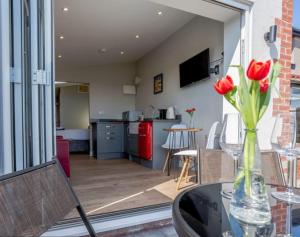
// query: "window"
[[295, 104]]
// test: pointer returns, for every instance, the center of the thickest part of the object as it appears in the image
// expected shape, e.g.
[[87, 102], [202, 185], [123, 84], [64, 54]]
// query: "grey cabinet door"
[[110, 137], [133, 144]]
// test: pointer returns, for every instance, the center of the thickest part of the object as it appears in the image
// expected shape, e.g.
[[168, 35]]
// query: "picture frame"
[[158, 84]]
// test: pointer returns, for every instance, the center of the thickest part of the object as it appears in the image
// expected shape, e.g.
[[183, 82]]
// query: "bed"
[[79, 139]]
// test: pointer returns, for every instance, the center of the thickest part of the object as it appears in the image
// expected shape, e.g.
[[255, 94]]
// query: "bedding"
[[74, 134], [79, 139]]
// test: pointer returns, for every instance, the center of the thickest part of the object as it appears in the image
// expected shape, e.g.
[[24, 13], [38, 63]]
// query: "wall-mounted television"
[[194, 69]]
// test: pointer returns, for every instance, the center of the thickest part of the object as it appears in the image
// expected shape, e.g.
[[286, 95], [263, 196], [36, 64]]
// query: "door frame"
[[63, 229]]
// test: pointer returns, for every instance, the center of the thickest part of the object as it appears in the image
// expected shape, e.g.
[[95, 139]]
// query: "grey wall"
[[106, 96], [74, 108], [194, 37]]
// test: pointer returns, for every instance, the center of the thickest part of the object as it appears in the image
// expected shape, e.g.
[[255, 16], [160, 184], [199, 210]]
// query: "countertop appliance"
[[170, 113], [145, 140], [162, 113], [131, 115]]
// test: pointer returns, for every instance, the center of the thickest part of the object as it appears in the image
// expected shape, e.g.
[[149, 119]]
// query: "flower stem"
[[249, 156]]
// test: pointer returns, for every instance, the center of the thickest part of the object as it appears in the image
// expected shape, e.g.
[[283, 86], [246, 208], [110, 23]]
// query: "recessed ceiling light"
[[59, 56], [137, 36], [65, 9], [122, 52], [103, 50], [159, 12], [61, 37]]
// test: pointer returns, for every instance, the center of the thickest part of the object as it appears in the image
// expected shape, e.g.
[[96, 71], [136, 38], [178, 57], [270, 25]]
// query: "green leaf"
[[265, 98], [275, 73], [231, 98], [244, 99]]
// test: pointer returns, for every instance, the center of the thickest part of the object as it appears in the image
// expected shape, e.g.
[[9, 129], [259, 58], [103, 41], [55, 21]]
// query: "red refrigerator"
[[145, 140]]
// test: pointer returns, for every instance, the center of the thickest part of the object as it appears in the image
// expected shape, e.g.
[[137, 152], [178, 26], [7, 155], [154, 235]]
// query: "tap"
[[154, 111]]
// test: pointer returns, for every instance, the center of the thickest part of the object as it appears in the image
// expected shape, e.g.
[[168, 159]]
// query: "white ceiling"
[[204, 8], [90, 25]]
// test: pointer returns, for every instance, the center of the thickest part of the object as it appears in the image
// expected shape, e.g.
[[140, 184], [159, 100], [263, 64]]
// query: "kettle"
[[170, 113]]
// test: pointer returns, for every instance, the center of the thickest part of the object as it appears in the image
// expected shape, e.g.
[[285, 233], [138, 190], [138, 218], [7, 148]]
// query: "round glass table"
[[203, 211]]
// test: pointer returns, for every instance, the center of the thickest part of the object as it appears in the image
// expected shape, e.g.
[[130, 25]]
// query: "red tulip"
[[264, 85], [258, 70], [224, 85]]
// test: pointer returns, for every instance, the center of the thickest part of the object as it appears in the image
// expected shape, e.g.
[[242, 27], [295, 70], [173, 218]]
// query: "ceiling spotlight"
[[122, 52], [103, 50], [59, 56], [159, 12], [137, 36], [65, 9], [61, 37]]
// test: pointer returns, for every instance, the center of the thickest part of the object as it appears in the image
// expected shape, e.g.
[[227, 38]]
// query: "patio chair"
[[34, 199]]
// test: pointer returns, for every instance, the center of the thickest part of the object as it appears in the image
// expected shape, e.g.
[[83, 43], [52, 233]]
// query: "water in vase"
[[253, 208]]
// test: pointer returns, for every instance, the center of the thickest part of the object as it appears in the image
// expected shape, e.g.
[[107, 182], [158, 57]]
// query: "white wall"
[[106, 96], [194, 37], [74, 108], [262, 20], [232, 54]]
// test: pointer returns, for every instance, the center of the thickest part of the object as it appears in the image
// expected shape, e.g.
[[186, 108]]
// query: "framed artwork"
[[158, 84]]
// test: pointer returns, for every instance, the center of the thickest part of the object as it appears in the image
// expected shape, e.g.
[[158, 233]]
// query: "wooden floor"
[[113, 185]]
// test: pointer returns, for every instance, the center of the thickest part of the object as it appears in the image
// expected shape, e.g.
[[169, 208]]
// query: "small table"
[[202, 211], [174, 147]]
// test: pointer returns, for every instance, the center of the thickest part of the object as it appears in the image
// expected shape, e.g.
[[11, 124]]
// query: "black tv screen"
[[194, 69]]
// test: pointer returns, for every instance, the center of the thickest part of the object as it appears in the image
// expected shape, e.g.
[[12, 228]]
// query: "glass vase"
[[249, 203], [191, 122]]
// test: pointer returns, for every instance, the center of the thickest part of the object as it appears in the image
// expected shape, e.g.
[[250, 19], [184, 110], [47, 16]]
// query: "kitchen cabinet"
[[158, 136], [113, 139], [109, 139], [132, 144]]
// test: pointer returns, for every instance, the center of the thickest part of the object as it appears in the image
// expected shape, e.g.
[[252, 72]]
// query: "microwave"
[[131, 115]]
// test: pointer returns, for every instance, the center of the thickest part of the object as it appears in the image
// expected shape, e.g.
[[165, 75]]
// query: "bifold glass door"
[[26, 95]]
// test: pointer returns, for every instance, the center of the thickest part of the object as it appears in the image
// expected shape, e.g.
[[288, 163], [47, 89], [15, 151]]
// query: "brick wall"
[[285, 31], [279, 216], [296, 77], [282, 104]]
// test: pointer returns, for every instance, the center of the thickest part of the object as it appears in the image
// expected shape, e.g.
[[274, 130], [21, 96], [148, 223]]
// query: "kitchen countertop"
[[106, 120], [145, 120], [160, 120]]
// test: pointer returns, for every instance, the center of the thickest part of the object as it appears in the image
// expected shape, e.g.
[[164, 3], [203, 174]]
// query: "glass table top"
[[202, 211]]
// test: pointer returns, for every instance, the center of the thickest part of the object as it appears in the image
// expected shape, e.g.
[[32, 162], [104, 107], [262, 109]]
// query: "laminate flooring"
[[113, 185]]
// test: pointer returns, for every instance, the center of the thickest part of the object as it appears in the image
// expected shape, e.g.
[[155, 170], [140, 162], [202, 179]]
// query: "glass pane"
[[295, 104]]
